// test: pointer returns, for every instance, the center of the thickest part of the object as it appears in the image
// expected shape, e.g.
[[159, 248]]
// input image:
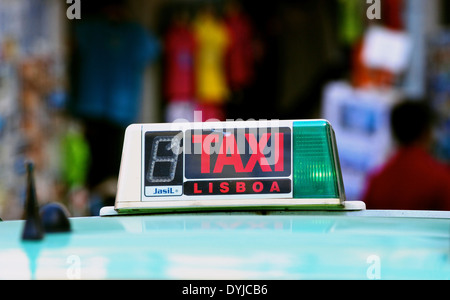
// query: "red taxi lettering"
[[257, 155], [279, 155], [226, 157], [205, 139], [228, 154]]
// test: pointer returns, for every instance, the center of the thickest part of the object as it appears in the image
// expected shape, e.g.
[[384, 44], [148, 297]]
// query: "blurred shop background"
[[73, 75]]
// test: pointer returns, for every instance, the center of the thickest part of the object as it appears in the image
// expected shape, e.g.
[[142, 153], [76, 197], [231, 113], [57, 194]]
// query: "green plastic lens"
[[316, 169]]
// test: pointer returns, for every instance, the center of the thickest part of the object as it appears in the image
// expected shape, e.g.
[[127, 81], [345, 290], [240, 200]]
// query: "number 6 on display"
[[173, 147]]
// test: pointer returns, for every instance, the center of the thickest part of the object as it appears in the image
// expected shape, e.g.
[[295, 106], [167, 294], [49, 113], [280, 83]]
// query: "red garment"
[[179, 77], [410, 180], [211, 112], [392, 14], [240, 55]]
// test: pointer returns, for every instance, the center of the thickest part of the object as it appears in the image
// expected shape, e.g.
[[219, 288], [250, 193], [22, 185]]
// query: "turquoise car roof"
[[309, 245]]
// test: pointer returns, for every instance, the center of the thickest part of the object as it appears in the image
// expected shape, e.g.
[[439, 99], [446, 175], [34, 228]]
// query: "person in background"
[[411, 179], [110, 55]]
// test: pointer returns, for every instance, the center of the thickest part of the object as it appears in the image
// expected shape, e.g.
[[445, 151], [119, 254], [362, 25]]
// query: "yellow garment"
[[212, 40]]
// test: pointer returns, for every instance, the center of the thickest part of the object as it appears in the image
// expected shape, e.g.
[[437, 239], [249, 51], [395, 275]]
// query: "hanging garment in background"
[[109, 63], [179, 48], [392, 12], [240, 54], [350, 20], [107, 76], [75, 157], [212, 41], [179, 76]]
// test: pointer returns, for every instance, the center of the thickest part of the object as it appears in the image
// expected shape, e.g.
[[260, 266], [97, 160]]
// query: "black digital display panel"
[[163, 167]]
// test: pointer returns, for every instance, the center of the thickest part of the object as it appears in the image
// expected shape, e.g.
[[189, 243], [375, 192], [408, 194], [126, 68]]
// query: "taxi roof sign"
[[268, 164]]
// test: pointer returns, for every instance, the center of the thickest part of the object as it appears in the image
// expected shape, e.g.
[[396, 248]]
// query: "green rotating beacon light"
[[316, 168], [232, 165]]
